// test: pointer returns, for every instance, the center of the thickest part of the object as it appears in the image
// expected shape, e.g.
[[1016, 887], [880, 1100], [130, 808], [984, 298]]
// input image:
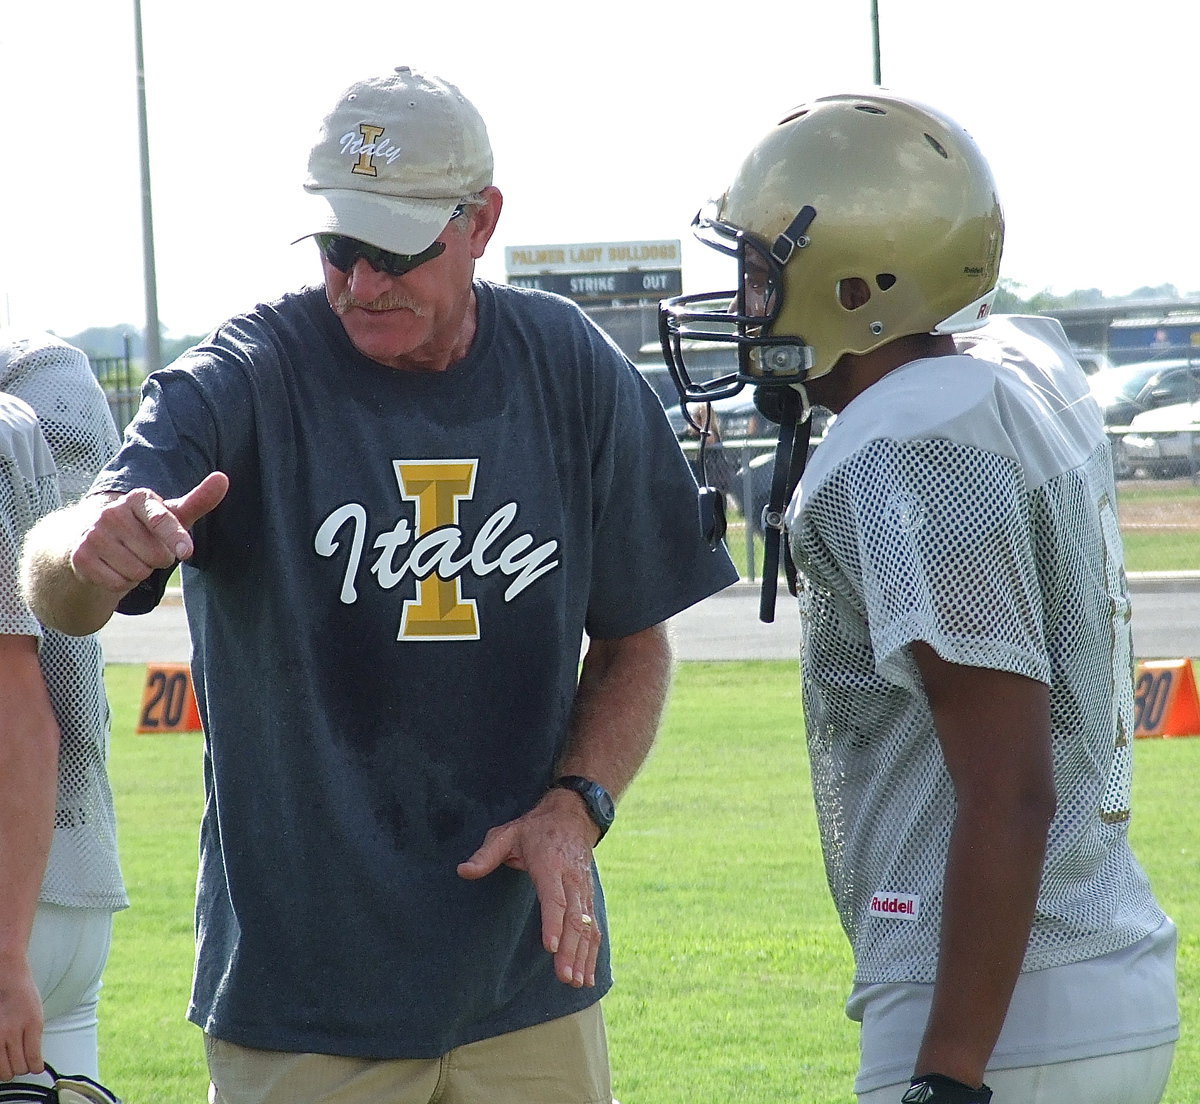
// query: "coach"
[[402, 500]]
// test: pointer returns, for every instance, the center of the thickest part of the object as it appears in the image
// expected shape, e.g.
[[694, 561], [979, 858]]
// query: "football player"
[[59, 863], [966, 649]]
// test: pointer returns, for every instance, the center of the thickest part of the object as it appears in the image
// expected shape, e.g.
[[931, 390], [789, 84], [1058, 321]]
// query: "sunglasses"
[[342, 252]]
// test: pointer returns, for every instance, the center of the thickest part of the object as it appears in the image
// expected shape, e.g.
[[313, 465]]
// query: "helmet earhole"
[[884, 281], [853, 292]]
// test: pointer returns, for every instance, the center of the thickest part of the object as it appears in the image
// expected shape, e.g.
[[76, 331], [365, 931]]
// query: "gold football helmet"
[[872, 188]]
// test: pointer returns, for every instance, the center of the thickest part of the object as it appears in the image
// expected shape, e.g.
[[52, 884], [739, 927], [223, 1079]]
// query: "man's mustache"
[[387, 301]]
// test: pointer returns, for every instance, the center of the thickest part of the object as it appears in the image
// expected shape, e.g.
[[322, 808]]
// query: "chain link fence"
[[122, 383], [1158, 503]]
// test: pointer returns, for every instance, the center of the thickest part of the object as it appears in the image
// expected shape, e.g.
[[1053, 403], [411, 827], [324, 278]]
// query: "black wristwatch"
[[598, 800]]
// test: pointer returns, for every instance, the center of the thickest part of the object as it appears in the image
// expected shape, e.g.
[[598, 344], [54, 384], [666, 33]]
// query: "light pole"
[[153, 352], [875, 41]]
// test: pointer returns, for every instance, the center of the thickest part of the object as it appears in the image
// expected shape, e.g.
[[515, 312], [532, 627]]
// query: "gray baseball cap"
[[394, 158]]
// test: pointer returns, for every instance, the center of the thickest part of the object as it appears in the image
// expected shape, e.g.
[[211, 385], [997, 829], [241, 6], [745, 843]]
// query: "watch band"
[[597, 800]]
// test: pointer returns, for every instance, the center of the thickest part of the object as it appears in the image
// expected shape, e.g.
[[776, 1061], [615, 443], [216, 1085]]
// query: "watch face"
[[604, 803], [598, 800]]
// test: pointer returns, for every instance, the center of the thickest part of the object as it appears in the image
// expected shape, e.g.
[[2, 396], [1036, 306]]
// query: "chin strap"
[[711, 501], [791, 454]]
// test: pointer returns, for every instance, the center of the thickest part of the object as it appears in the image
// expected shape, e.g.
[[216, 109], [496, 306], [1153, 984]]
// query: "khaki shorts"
[[564, 1061]]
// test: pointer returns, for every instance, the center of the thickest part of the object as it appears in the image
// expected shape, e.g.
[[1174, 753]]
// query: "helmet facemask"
[[743, 318]]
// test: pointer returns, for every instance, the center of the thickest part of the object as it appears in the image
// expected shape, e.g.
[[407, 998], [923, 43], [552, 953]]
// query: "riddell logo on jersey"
[[895, 906]]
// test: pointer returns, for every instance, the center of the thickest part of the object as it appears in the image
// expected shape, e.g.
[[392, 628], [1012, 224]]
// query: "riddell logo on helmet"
[[895, 906], [984, 310]]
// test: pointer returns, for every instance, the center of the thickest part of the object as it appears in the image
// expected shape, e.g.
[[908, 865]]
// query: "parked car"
[[1162, 442], [740, 457], [1091, 360], [1126, 390], [740, 432], [735, 417]]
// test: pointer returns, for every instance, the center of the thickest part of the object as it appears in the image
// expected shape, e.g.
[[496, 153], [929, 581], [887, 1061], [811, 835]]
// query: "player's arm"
[[619, 702], [81, 561], [29, 739], [994, 729]]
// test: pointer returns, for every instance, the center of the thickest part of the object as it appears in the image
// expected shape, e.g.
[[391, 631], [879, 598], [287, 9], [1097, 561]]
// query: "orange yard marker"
[[1165, 698], [168, 700]]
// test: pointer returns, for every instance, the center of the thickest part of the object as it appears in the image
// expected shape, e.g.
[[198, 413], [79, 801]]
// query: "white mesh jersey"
[[56, 381], [968, 502]]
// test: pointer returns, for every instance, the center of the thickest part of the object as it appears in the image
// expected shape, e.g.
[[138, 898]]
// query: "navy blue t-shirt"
[[387, 611]]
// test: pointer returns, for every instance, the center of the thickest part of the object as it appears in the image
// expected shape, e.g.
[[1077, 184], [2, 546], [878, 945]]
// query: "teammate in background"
[[403, 500], [59, 870], [966, 648]]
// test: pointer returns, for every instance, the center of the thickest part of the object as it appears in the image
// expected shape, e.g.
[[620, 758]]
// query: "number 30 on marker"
[[1164, 698]]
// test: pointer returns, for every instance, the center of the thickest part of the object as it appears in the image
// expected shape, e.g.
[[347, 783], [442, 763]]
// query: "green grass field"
[[731, 969]]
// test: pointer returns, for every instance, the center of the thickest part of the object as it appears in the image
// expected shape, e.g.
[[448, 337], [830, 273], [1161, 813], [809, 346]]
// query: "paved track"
[[1166, 624]]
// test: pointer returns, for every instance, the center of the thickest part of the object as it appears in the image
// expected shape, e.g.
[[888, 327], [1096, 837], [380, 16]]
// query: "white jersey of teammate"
[[56, 381], [968, 502]]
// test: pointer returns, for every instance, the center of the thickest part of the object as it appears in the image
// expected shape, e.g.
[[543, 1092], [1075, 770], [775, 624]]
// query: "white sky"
[[610, 122]]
